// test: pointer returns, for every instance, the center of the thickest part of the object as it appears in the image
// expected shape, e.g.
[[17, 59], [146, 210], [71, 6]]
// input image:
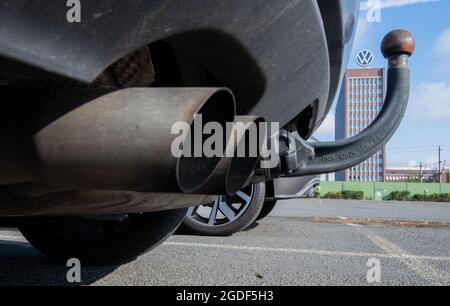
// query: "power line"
[[409, 151], [412, 147], [399, 150]]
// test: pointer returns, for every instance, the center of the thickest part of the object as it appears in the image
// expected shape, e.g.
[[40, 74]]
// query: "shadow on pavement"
[[184, 231], [251, 227], [22, 265]]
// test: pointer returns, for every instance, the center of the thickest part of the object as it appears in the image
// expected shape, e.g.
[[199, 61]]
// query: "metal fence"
[[382, 191]]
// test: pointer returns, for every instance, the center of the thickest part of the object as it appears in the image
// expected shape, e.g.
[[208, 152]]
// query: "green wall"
[[382, 191]]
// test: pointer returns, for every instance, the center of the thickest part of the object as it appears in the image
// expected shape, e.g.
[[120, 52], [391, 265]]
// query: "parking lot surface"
[[410, 211], [287, 248]]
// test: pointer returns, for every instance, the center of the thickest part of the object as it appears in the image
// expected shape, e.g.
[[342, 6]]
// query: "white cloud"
[[402, 161], [362, 33], [431, 101], [442, 49], [413, 163], [432, 162], [385, 4], [327, 129], [443, 43]]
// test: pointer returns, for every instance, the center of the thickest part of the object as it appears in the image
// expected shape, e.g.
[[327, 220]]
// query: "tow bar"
[[328, 157]]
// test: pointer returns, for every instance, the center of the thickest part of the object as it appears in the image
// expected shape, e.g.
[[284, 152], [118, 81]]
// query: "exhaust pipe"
[[232, 173], [121, 140], [242, 156], [92, 202]]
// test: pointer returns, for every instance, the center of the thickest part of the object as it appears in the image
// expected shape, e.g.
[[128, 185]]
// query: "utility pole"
[[440, 163], [421, 173]]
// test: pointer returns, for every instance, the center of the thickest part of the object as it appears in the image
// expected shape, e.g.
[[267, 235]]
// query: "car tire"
[[194, 223], [98, 241]]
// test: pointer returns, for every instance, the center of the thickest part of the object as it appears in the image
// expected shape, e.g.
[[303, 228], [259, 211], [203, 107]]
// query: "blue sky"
[[427, 122]]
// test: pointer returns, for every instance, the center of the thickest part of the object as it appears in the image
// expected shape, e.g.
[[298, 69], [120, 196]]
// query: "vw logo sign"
[[364, 58]]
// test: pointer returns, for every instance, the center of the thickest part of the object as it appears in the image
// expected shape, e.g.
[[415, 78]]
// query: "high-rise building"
[[361, 99]]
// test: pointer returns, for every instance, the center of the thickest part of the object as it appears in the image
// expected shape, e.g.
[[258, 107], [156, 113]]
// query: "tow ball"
[[328, 157]]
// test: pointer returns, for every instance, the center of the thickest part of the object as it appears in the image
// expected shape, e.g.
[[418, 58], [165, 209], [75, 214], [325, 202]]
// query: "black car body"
[[279, 58], [73, 144]]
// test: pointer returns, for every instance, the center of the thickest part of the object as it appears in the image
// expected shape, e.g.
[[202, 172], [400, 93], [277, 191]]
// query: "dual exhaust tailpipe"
[[97, 139]]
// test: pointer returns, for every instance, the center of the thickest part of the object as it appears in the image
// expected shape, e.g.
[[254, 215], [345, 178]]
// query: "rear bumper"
[[274, 55]]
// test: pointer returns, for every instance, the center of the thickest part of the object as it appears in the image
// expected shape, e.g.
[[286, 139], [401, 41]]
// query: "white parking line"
[[434, 276], [320, 203], [301, 251], [354, 225]]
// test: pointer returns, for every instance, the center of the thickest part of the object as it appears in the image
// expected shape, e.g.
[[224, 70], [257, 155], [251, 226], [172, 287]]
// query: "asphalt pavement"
[[287, 248], [407, 211]]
